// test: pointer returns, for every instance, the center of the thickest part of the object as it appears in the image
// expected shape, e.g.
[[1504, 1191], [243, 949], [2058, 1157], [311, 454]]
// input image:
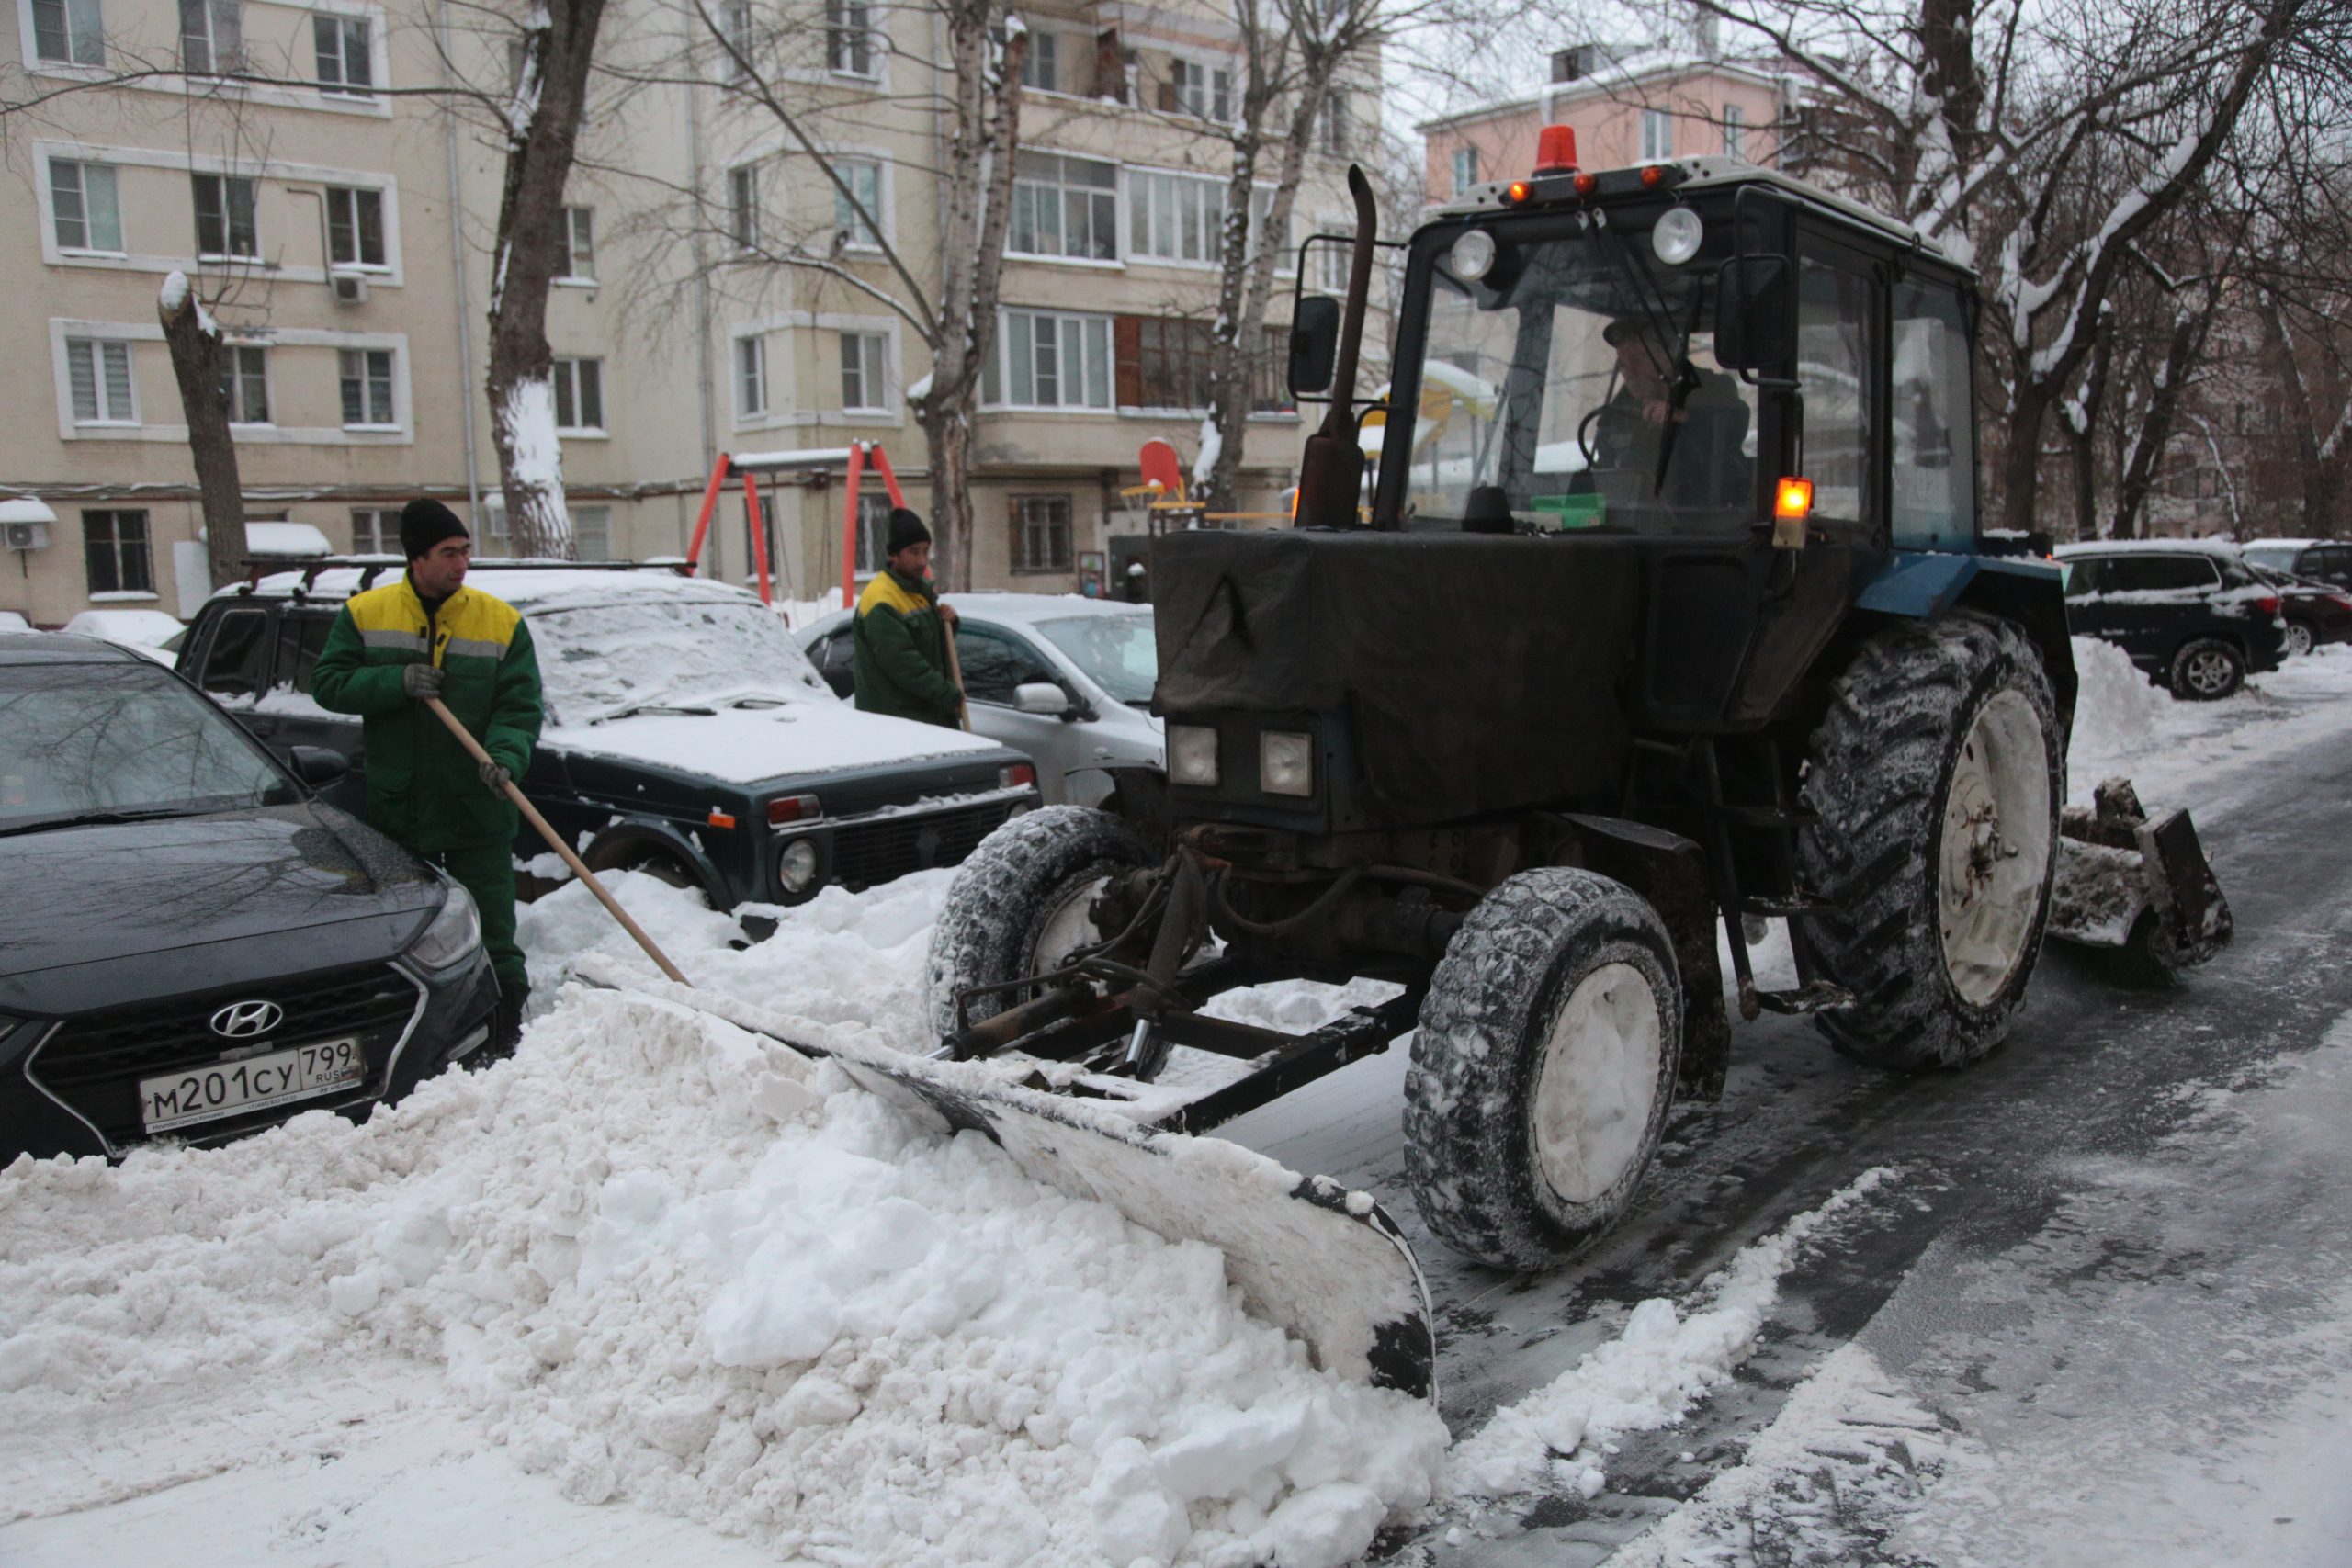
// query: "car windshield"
[[674, 651], [104, 741], [1551, 383], [1116, 651]]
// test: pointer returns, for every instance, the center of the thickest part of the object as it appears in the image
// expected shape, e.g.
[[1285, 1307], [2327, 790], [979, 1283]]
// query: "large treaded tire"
[[1005, 894], [1880, 774], [1477, 1088]]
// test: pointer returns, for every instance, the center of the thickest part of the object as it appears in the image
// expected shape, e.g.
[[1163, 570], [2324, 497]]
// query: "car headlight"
[[1285, 762], [453, 935], [796, 867], [1192, 755]]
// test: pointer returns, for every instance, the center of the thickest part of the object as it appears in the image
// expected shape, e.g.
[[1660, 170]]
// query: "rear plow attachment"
[[1309, 1256], [2137, 886]]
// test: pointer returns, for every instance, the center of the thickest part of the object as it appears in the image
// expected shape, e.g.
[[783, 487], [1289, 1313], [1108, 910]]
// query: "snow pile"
[[665, 1260], [2118, 708], [1649, 1376]]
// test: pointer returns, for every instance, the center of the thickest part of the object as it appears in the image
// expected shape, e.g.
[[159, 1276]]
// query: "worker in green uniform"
[[902, 633], [428, 635]]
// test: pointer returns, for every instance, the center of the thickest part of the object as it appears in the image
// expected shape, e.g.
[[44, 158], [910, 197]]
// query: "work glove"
[[422, 681], [495, 777]]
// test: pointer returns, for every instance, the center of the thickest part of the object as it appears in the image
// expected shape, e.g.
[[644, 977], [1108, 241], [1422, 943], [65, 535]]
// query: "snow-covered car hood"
[[745, 745]]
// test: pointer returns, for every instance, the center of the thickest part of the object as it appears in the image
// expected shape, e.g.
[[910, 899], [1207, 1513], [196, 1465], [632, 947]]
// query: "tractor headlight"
[[1285, 763], [453, 935], [1192, 755], [796, 867], [1473, 254], [1676, 238]]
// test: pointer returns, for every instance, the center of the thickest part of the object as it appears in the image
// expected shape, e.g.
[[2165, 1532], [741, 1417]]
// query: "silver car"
[[1063, 678]]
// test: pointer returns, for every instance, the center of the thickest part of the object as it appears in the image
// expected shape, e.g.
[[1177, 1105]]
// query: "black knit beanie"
[[906, 529], [424, 524]]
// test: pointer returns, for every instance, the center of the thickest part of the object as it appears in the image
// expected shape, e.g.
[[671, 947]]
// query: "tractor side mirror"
[[1313, 344], [1755, 326]]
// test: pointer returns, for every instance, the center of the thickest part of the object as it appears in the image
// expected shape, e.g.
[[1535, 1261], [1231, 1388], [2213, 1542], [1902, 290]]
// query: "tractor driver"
[[1708, 467]]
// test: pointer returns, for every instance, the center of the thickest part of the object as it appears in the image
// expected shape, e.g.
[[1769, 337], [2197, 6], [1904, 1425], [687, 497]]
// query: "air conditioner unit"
[[24, 536], [350, 288]]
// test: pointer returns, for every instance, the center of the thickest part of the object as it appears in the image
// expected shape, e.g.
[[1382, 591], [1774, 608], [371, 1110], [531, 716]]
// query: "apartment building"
[[1628, 105], [342, 221]]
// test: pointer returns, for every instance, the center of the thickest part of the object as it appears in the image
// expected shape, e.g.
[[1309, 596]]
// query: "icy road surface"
[[658, 1292]]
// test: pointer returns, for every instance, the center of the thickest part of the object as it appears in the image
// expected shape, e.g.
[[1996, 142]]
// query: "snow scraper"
[[1307, 1254], [2138, 886]]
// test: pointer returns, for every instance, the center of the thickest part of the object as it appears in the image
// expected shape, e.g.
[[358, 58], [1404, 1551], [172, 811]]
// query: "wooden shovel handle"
[[555, 841]]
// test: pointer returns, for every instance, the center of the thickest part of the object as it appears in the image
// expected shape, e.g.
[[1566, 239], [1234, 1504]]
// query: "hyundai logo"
[[244, 1021]]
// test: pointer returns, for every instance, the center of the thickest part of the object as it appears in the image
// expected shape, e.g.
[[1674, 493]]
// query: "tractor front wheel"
[[1022, 904], [1937, 776], [1543, 1068]]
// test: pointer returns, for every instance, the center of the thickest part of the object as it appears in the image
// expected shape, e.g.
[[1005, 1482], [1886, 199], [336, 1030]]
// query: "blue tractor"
[[1650, 601]]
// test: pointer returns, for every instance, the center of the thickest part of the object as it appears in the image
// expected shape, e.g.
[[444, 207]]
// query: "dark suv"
[[192, 944], [2191, 616], [686, 733]]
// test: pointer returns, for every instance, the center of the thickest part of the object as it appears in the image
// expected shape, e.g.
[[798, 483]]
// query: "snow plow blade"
[[2126, 881], [1307, 1254]]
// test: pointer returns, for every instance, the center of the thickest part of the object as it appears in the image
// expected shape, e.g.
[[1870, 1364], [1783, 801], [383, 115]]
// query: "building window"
[[862, 380], [367, 375], [81, 195], [575, 244], [347, 64], [1657, 135], [1041, 533], [1465, 168], [244, 382], [69, 32], [873, 530], [224, 217], [1204, 92], [212, 37], [374, 531], [1338, 136], [1734, 132], [744, 206], [354, 226], [99, 373], [863, 178], [1172, 363], [114, 552], [849, 38], [1175, 217], [750, 377], [735, 29], [1064, 207], [1332, 258], [580, 394], [1051, 361], [1040, 68], [591, 533]]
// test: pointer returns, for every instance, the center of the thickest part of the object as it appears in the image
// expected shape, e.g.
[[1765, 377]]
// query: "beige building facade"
[[342, 221]]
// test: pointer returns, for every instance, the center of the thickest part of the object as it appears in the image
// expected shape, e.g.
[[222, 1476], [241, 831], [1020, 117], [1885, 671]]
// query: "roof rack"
[[372, 567]]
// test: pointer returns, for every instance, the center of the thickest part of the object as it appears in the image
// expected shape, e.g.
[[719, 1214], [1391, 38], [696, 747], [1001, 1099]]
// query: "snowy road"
[[2089, 1302]]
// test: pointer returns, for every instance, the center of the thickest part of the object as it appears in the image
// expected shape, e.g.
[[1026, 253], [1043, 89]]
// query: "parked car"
[[2316, 613], [192, 944], [1064, 679], [686, 734], [2323, 560], [2191, 613], [151, 634]]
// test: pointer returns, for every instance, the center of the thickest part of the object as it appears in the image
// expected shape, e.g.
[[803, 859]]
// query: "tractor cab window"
[[1573, 383], [1834, 322], [1935, 433]]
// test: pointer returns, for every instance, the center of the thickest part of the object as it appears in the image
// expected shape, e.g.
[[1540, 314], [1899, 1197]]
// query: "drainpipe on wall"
[[466, 388], [702, 280]]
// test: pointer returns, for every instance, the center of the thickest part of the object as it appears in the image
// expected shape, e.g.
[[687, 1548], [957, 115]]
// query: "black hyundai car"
[[193, 944]]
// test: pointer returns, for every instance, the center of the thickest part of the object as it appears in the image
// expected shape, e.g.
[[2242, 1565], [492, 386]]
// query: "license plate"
[[249, 1083]]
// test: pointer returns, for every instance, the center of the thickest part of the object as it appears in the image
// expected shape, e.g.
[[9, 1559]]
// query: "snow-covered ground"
[[659, 1290]]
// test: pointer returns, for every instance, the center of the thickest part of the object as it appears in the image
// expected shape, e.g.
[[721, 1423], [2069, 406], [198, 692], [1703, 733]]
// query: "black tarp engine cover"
[[1476, 672]]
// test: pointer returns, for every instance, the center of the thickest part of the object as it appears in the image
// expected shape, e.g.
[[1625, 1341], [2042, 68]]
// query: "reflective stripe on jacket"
[[422, 789]]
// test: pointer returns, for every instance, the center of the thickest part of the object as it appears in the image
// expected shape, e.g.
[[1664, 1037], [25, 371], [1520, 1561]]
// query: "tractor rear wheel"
[[1543, 1068], [1021, 904], [1937, 776]]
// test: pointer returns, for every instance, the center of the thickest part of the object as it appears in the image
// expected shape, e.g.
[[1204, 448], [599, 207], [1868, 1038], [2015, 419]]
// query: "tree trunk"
[[543, 133], [2158, 417], [194, 339]]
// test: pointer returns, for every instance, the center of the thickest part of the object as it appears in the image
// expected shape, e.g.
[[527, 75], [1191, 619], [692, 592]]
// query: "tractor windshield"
[[1574, 383]]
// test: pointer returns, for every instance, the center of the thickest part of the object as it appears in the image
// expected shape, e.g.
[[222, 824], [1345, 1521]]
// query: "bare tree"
[[193, 337]]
